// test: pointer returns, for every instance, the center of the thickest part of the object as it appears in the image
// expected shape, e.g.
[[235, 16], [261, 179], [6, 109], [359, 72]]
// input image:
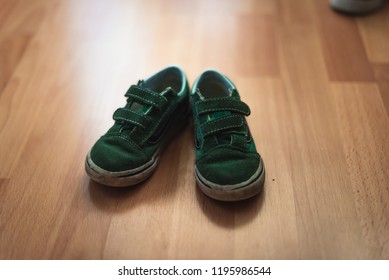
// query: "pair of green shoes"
[[228, 166]]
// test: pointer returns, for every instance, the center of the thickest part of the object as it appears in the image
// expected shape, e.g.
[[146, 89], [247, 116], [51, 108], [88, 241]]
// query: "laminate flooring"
[[317, 83]]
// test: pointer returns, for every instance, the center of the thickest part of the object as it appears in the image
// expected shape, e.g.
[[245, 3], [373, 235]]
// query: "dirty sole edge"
[[123, 178], [233, 192]]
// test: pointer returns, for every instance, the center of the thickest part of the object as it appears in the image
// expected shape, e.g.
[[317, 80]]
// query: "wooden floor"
[[317, 83]]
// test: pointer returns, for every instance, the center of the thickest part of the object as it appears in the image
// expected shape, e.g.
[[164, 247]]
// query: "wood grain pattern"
[[344, 53], [382, 76], [256, 57], [373, 31], [316, 83], [313, 139], [366, 114], [18, 22]]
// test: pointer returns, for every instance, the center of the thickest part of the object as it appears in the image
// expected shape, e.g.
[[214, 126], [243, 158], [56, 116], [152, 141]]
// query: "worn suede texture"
[[142, 125], [225, 151]]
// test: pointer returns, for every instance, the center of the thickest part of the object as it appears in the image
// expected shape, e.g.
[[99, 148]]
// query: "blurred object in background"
[[356, 6]]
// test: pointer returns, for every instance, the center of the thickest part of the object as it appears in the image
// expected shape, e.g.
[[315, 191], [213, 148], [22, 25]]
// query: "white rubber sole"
[[236, 192], [123, 178], [355, 6]]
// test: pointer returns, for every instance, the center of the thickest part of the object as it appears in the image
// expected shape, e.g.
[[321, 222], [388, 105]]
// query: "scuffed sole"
[[231, 193], [123, 178]]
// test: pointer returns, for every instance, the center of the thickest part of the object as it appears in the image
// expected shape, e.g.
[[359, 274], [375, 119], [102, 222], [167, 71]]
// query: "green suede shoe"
[[228, 166], [129, 152]]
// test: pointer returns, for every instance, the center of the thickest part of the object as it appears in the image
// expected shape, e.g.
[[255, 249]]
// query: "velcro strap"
[[221, 124], [222, 104], [146, 96], [127, 115]]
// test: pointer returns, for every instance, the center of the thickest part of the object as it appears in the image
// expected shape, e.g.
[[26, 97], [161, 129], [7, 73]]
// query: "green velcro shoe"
[[228, 166], [129, 152]]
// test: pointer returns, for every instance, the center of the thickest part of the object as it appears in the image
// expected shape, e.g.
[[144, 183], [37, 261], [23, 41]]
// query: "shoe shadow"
[[111, 199], [230, 214]]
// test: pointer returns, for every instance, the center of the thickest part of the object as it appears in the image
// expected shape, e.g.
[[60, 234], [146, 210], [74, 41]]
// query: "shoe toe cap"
[[228, 167], [116, 154]]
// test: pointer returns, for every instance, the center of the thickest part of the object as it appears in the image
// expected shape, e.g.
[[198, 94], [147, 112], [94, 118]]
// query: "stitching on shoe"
[[134, 145], [145, 100], [224, 127], [152, 93], [218, 119], [248, 112], [220, 109], [147, 117], [218, 98], [171, 107], [220, 128], [209, 153], [132, 121]]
